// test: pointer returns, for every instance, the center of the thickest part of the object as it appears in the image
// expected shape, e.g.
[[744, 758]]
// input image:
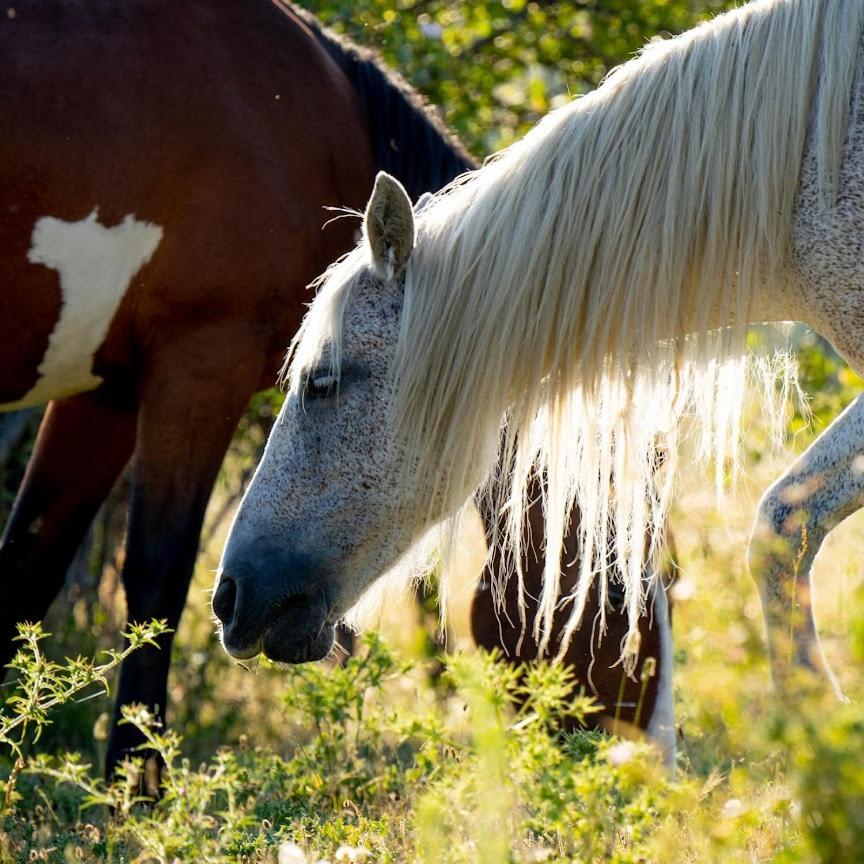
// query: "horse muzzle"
[[265, 610]]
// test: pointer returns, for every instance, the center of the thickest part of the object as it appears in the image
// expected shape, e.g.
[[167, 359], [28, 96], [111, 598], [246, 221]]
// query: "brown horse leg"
[[191, 401], [625, 700], [502, 629], [83, 443]]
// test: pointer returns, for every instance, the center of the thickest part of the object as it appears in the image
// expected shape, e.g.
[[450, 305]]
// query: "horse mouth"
[[241, 652], [285, 647], [296, 651], [285, 625]]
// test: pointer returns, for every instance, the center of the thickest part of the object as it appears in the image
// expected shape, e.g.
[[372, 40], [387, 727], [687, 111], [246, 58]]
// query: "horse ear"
[[389, 226]]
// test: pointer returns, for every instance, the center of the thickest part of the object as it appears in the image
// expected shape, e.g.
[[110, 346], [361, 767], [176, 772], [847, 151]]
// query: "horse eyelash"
[[327, 380]]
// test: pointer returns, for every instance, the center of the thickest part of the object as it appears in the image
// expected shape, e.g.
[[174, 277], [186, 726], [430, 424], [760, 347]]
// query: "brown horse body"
[[161, 192]]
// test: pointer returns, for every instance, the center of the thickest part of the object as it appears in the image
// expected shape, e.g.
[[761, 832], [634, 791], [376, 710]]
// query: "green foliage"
[[825, 377], [360, 749], [825, 753], [380, 768], [42, 686], [522, 790], [497, 66], [361, 755]]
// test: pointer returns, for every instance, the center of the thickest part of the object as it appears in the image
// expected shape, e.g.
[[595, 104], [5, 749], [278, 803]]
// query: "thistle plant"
[[42, 685]]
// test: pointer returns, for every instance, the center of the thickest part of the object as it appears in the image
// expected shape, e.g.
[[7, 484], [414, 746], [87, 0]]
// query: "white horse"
[[592, 284]]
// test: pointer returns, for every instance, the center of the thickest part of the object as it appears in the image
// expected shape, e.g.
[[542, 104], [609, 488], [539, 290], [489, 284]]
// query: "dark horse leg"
[[83, 444], [193, 393], [624, 700]]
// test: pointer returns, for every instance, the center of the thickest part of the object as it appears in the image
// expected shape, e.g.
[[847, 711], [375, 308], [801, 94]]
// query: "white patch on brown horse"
[[96, 264]]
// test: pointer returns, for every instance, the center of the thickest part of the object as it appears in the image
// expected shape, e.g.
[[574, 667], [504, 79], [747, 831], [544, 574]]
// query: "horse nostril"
[[225, 599]]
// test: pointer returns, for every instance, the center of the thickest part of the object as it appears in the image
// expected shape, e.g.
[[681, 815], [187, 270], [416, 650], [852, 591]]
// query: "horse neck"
[[408, 140]]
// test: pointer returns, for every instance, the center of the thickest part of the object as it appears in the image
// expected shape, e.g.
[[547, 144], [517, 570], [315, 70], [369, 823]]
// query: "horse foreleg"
[[82, 446], [192, 397], [822, 488]]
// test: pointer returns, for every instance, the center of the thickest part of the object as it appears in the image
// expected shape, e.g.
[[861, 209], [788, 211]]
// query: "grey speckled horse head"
[[310, 534]]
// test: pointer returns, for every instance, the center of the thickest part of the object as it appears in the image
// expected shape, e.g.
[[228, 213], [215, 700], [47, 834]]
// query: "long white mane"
[[594, 281]]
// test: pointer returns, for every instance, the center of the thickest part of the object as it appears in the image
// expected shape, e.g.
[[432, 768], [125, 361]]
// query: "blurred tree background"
[[495, 68]]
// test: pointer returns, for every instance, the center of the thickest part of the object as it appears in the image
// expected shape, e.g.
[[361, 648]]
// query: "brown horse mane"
[[396, 113]]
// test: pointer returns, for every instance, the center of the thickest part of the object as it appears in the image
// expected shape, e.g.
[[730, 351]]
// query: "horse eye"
[[321, 386]]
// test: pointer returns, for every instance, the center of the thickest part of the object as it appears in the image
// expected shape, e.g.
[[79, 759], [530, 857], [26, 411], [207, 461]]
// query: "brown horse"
[[161, 190]]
